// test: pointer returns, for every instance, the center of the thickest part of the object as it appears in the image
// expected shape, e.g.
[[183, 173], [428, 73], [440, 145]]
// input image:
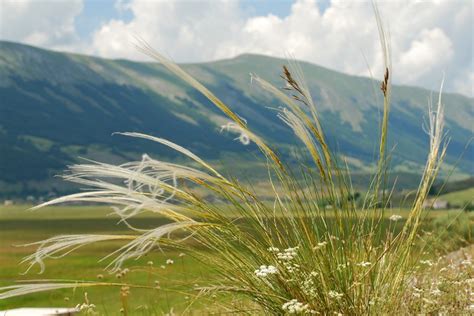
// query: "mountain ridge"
[[58, 106], [239, 56]]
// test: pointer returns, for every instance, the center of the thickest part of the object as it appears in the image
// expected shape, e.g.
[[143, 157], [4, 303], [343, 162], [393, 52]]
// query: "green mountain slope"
[[461, 197], [56, 107]]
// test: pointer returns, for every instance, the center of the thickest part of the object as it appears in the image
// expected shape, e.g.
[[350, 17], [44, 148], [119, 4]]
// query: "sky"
[[429, 38]]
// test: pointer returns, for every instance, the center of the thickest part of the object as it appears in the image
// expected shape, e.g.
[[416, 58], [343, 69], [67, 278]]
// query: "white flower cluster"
[[286, 258], [427, 262], [309, 287], [320, 245], [342, 266], [295, 307], [417, 292], [88, 308], [263, 271], [364, 264], [288, 254], [336, 295], [395, 218], [436, 292]]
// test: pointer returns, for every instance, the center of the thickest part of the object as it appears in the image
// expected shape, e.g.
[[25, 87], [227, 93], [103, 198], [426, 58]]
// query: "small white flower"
[[417, 292], [436, 292], [336, 295], [273, 249], [341, 266], [169, 261], [288, 254], [364, 264], [320, 245], [309, 284], [427, 262], [295, 307], [395, 218], [264, 271]]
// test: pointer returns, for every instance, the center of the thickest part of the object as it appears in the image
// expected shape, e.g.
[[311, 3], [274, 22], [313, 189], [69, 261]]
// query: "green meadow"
[[171, 293], [18, 226]]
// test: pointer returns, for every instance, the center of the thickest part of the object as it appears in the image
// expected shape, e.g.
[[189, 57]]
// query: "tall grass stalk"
[[290, 257]]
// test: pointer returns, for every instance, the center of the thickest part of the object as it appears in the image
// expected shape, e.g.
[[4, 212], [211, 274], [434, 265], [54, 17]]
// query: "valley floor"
[[171, 292]]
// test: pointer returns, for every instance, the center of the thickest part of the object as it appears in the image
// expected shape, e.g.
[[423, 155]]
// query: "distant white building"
[[8, 202], [436, 204]]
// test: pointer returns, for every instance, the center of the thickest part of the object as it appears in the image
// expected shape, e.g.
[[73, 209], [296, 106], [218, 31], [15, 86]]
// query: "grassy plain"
[[20, 226]]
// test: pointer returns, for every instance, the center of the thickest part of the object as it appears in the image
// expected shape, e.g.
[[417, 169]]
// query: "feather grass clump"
[[291, 257]]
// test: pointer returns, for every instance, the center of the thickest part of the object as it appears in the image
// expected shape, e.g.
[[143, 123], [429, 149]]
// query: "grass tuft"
[[284, 257]]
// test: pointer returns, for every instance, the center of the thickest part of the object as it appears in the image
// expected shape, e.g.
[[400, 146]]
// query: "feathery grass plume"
[[60, 246], [294, 256], [24, 289], [37, 286], [146, 49]]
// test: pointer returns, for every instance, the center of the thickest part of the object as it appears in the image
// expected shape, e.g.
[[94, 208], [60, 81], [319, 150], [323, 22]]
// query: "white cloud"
[[428, 38], [432, 50], [46, 23], [186, 30]]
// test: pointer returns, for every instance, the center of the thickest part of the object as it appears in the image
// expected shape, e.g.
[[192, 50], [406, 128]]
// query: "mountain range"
[[57, 107]]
